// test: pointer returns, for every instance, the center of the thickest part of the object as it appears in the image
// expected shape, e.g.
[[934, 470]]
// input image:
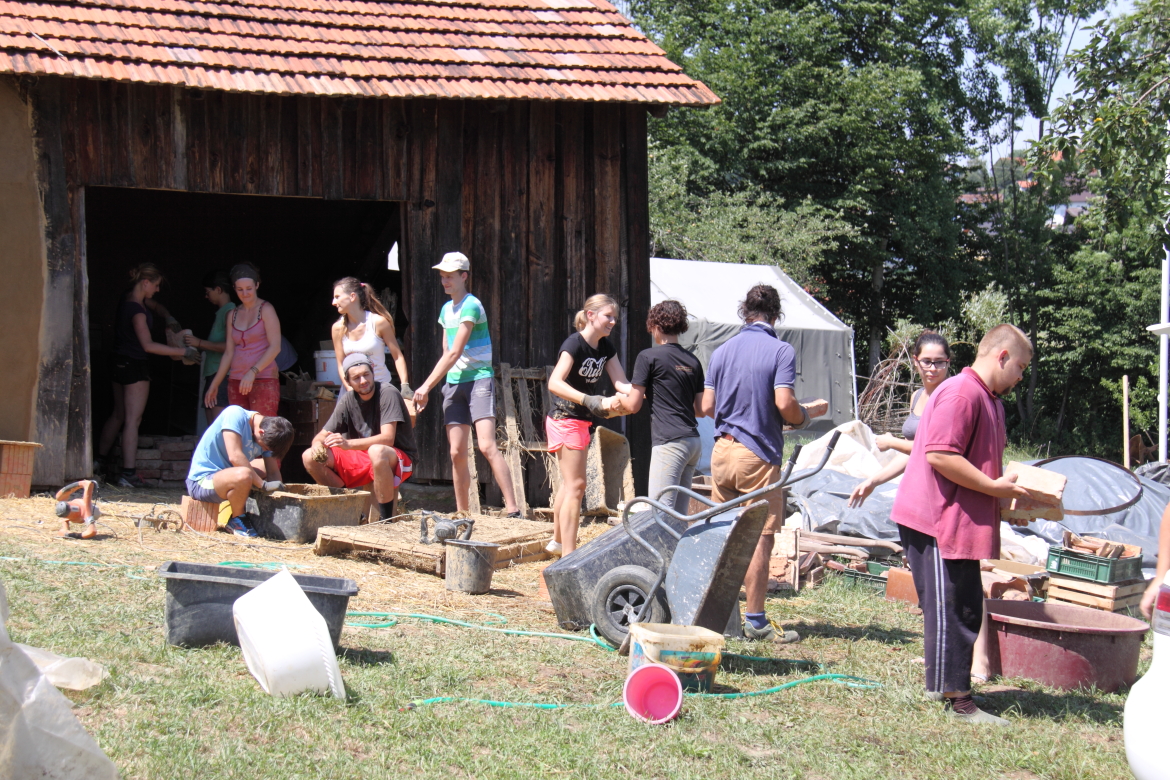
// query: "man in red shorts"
[[368, 438]]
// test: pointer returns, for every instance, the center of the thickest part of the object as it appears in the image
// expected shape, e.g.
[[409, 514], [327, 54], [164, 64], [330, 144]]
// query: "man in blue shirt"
[[239, 451], [749, 392]]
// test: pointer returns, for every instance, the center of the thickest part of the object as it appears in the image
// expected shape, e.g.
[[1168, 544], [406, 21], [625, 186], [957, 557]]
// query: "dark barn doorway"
[[300, 246]]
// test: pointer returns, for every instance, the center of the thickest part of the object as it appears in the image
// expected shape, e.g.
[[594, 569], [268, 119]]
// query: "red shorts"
[[264, 398], [356, 469], [572, 434]]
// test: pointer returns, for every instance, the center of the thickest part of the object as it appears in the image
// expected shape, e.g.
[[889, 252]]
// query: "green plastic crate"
[[1086, 566]]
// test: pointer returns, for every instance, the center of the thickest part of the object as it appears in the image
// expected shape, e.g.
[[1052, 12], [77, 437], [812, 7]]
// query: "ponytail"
[[366, 299], [594, 303]]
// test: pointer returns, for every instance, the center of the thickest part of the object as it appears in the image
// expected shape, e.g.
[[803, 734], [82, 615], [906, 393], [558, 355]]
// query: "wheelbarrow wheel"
[[620, 595]]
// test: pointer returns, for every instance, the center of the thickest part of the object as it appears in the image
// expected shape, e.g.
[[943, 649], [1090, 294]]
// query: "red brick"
[[176, 446], [177, 454], [148, 454], [149, 473], [148, 464]]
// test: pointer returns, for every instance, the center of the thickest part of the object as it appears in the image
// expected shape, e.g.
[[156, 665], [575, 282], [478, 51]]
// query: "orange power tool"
[[78, 510]]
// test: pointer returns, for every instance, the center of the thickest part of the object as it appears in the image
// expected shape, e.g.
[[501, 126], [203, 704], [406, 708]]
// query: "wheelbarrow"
[[698, 571]]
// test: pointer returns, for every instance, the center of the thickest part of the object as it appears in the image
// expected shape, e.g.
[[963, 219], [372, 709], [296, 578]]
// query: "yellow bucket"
[[691, 652]]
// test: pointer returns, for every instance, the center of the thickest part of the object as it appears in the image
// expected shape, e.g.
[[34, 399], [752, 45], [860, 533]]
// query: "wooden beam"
[[55, 375]]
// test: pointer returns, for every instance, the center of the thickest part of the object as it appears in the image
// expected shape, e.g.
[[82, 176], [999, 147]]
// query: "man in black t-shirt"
[[672, 379], [368, 438]]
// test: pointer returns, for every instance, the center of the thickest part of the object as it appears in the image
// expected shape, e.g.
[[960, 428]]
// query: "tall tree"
[[855, 107], [1113, 129]]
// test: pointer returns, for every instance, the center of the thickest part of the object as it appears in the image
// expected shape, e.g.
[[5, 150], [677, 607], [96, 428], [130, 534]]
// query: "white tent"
[[712, 293]]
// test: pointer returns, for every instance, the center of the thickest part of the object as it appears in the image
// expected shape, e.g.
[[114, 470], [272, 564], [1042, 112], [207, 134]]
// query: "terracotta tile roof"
[[537, 49]]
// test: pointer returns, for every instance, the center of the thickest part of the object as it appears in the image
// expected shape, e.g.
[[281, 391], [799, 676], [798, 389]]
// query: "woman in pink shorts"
[[576, 384], [249, 356]]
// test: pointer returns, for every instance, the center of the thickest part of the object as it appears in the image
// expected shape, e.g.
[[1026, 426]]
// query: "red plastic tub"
[[1063, 646]]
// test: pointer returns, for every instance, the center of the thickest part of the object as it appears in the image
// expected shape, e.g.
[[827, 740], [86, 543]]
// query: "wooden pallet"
[[1118, 597], [398, 544]]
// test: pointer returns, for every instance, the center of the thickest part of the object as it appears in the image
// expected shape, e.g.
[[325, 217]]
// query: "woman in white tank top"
[[365, 326]]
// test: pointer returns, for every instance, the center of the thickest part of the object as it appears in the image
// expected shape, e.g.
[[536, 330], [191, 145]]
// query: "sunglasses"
[[934, 363]]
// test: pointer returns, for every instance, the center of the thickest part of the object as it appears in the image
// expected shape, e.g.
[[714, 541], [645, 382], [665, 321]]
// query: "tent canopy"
[[712, 293]]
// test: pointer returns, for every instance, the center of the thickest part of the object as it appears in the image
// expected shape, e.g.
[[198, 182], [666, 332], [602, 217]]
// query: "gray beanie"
[[355, 359]]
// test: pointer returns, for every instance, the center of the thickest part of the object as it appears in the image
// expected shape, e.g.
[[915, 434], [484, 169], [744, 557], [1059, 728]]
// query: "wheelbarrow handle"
[[688, 492]]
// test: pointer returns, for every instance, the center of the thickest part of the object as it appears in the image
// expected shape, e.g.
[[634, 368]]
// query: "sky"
[[1064, 85]]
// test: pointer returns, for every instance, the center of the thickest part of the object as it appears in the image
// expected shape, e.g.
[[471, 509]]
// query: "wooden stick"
[[1125, 419]]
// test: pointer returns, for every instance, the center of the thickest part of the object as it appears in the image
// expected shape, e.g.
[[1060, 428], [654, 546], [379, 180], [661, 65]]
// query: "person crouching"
[[367, 439], [240, 451]]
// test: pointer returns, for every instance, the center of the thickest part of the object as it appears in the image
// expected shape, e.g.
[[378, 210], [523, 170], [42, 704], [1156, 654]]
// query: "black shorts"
[[127, 370]]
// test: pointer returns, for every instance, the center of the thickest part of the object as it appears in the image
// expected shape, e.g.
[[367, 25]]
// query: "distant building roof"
[[580, 50]]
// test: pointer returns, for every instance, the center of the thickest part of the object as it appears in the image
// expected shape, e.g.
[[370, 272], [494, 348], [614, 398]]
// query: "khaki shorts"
[[736, 471]]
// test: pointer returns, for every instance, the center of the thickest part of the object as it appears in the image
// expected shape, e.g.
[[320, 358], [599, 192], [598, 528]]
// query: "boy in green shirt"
[[469, 396]]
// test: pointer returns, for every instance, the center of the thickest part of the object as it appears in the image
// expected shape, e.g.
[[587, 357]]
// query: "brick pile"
[[163, 461]]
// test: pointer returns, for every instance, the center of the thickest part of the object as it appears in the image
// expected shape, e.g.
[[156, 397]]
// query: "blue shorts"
[[203, 490]]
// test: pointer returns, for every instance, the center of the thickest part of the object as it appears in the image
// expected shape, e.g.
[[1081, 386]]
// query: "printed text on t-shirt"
[[591, 368]]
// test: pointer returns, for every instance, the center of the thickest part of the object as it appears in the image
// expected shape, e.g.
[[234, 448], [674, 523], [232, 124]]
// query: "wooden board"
[[1084, 588], [1110, 598], [1106, 605], [398, 544]]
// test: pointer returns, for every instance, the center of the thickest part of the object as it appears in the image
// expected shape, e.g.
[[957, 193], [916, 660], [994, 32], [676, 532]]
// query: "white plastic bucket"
[[325, 364], [285, 641], [691, 652]]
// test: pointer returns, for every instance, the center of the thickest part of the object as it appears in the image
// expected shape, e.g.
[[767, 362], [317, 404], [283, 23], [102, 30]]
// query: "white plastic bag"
[[856, 453], [74, 674], [39, 735], [286, 643]]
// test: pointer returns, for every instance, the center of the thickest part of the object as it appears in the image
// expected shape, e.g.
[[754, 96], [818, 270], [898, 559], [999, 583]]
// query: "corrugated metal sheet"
[[535, 49]]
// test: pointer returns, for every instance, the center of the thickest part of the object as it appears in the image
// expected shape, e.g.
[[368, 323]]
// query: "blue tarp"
[[1092, 485]]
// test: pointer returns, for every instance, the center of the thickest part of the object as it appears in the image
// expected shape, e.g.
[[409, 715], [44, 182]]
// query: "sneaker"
[[240, 528], [131, 481], [769, 634], [513, 515], [979, 716], [554, 548]]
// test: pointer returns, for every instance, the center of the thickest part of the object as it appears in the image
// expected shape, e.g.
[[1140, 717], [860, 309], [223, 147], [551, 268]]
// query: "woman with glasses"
[[932, 358]]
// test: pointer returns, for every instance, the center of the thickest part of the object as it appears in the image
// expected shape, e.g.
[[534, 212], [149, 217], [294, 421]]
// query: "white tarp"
[[712, 293]]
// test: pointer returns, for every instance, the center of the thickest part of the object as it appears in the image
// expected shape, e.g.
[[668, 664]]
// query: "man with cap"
[[368, 438], [469, 397]]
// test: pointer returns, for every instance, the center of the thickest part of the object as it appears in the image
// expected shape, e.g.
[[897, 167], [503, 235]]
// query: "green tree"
[[1113, 131], [853, 111]]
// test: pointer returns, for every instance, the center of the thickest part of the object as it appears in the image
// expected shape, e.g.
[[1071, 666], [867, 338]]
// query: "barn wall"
[[22, 263], [547, 199]]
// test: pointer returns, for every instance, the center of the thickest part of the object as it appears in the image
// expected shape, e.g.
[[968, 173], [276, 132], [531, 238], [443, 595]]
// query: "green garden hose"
[[847, 679]]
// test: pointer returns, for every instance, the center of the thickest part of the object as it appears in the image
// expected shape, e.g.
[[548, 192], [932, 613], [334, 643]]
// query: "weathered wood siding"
[[549, 200]]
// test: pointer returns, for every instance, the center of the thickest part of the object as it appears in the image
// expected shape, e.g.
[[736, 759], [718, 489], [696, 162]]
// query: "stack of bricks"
[[163, 461]]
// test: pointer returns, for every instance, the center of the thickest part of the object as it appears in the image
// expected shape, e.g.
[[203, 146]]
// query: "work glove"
[[173, 325], [596, 405], [271, 486], [407, 391], [192, 355]]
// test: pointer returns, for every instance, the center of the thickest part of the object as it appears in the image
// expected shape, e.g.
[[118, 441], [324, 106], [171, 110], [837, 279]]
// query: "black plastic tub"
[[200, 598]]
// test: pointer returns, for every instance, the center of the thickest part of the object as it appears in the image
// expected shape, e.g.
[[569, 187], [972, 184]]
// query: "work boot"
[[769, 633]]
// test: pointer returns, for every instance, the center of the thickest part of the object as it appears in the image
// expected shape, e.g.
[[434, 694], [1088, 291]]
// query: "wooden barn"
[[309, 137]]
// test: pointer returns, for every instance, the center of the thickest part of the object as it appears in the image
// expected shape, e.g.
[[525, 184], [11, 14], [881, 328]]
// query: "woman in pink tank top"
[[249, 357]]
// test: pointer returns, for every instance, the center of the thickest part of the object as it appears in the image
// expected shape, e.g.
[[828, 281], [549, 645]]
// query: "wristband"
[[803, 423]]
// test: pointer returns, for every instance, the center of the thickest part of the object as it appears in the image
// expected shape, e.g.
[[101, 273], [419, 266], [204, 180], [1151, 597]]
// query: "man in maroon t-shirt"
[[947, 509]]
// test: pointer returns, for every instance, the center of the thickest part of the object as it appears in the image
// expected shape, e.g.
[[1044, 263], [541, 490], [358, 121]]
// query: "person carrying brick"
[[469, 392], [239, 451], [948, 510], [368, 438]]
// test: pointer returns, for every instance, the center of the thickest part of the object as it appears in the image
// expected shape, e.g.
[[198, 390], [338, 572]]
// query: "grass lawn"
[[168, 712]]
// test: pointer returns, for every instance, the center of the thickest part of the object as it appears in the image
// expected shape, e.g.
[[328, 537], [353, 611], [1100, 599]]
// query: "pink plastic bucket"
[[653, 693]]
